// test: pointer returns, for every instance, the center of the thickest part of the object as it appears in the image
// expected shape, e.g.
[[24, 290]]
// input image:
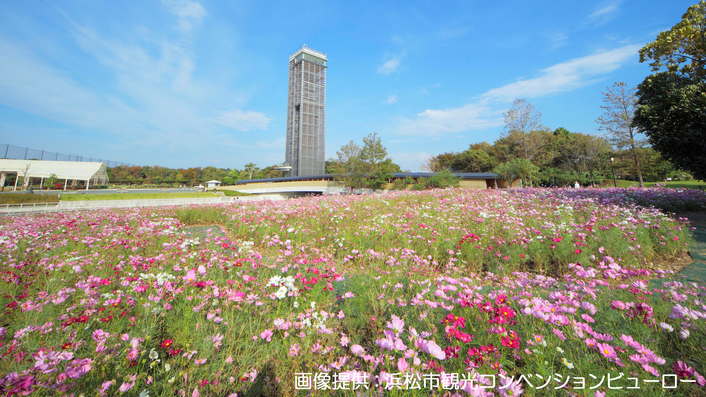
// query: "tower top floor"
[[308, 54]]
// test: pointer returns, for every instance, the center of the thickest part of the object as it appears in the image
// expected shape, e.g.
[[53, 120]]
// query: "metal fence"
[[10, 209], [26, 153]]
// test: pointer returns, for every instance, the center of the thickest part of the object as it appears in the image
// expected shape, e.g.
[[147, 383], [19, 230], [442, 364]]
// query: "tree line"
[[157, 175]]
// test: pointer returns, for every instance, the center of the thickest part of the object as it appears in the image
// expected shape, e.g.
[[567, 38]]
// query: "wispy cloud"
[[241, 120], [391, 99], [604, 14], [148, 96], [565, 76], [190, 13], [390, 66], [556, 40], [442, 122], [486, 111], [28, 84]]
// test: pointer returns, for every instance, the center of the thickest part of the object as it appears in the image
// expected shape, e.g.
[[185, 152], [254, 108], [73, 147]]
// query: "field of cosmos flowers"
[[442, 292]]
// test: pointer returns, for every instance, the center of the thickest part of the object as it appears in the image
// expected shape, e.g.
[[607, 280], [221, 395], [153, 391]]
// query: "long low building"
[[89, 173], [326, 184]]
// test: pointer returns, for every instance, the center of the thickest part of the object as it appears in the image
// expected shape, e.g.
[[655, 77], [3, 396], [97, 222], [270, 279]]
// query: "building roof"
[[214, 181], [397, 175], [74, 170]]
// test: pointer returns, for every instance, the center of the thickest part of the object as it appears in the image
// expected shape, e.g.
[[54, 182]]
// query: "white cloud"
[[441, 122], [486, 111], [390, 66], [26, 83], [565, 76], [391, 99], [241, 120], [605, 13]]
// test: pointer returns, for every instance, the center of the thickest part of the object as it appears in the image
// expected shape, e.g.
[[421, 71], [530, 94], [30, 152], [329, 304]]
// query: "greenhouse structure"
[[92, 174]]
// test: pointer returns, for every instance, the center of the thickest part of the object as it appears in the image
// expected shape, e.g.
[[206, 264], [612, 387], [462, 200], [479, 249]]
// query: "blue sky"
[[182, 83]]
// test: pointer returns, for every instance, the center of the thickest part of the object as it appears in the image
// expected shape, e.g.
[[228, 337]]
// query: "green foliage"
[[682, 48], [421, 184], [366, 166], [473, 160], [402, 184], [51, 181], [517, 168], [672, 112], [442, 180]]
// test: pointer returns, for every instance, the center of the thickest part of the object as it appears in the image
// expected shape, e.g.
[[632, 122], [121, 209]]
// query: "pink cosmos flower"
[[606, 350], [397, 324], [509, 388], [128, 385], [629, 341], [104, 387], [266, 334], [431, 348], [294, 350], [650, 369], [402, 364], [682, 370], [617, 305], [357, 350], [133, 354], [558, 333]]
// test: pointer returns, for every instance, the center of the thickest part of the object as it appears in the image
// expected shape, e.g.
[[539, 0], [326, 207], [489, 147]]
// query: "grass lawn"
[[142, 196], [692, 184], [22, 198]]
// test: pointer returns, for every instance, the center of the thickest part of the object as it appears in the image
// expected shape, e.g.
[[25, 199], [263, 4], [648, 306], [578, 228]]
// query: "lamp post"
[[612, 167]]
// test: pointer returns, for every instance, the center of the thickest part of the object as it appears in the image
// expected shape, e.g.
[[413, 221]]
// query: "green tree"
[[348, 168], [376, 165], [618, 113], [442, 180], [330, 166], [671, 103], [517, 168], [269, 173], [507, 172], [524, 132], [441, 162], [672, 112], [682, 49], [473, 160], [51, 181], [251, 169]]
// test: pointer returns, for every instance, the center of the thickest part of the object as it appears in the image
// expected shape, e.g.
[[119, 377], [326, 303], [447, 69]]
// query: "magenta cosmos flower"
[[606, 350]]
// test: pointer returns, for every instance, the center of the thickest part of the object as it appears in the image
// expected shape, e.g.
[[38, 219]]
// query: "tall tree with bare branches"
[[619, 104], [524, 129]]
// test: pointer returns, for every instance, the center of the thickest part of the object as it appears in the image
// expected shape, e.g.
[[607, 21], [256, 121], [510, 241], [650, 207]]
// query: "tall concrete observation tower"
[[306, 113]]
